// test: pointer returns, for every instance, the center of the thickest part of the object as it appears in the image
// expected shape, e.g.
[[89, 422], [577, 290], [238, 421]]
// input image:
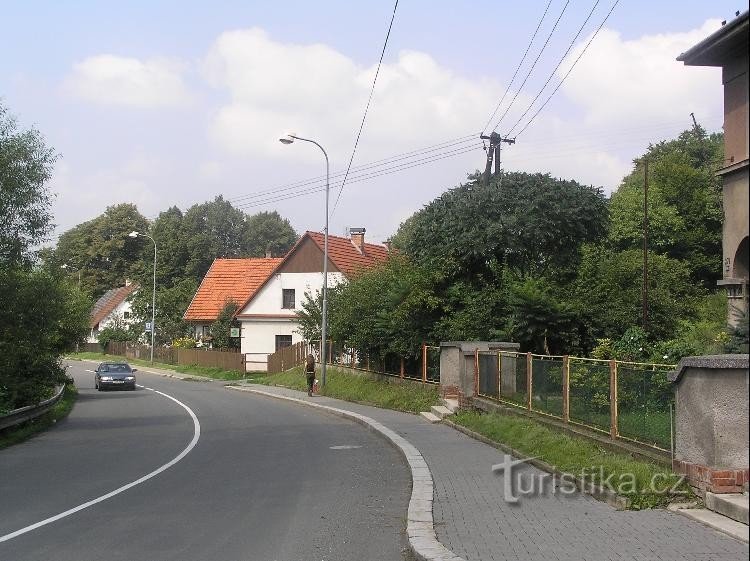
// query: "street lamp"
[[288, 139], [135, 234]]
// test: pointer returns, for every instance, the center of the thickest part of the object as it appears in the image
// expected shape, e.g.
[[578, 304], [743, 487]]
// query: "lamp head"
[[133, 234], [287, 138]]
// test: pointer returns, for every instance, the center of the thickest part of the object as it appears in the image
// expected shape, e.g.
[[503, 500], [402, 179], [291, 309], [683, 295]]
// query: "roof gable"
[[346, 257], [229, 279], [108, 302]]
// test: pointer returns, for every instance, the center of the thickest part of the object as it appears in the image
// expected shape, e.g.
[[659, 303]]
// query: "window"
[[283, 341], [287, 298]]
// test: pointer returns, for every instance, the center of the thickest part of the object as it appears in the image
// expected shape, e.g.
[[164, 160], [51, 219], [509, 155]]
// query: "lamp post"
[[288, 139], [135, 234]]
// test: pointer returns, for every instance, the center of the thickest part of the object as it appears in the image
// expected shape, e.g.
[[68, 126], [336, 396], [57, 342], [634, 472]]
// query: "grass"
[[24, 431], [579, 456], [408, 397], [208, 372]]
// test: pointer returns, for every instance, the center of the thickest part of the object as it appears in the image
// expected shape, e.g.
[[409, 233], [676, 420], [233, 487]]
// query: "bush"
[[184, 343]]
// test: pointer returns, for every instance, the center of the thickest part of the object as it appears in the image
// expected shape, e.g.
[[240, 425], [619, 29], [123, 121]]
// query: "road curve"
[[265, 480]]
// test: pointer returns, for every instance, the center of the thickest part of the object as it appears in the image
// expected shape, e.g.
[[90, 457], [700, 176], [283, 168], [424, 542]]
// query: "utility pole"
[[695, 123], [494, 151], [645, 244]]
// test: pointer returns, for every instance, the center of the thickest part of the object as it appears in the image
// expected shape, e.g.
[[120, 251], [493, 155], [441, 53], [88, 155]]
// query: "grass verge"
[[645, 484], [411, 398], [24, 431], [208, 372]]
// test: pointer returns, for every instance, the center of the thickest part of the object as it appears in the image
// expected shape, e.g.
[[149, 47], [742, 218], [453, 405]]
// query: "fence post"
[[613, 399], [476, 372], [351, 362], [499, 374], [424, 363], [330, 351], [529, 379], [566, 388], [401, 372]]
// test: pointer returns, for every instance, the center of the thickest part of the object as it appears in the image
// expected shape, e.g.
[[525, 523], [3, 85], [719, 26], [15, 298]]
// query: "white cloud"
[[115, 80], [621, 82], [317, 91]]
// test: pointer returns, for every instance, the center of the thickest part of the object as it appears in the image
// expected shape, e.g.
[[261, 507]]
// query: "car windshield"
[[115, 368]]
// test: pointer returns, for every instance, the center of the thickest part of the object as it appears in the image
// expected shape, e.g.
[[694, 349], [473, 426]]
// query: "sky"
[[172, 103]]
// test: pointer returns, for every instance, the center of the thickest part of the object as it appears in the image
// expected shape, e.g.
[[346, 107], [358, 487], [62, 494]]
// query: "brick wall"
[[713, 480]]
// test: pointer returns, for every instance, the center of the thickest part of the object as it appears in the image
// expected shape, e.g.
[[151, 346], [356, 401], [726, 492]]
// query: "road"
[[249, 478]]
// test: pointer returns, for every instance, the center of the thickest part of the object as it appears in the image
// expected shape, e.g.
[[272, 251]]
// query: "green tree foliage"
[[41, 316], [220, 338], [171, 303], [685, 207], [532, 224], [610, 285], [26, 164], [267, 232], [118, 330], [101, 251]]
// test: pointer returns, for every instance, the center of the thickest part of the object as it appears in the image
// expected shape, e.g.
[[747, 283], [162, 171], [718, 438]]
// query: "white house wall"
[[259, 334], [109, 319]]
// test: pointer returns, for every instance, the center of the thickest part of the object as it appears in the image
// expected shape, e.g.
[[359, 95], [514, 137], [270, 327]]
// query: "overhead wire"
[[531, 120], [367, 107], [523, 58], [552, 74], [518, 91]]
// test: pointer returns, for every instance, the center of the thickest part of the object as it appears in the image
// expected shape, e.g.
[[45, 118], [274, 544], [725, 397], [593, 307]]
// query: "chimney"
[[268, 254], [358, 238], [127, 282]]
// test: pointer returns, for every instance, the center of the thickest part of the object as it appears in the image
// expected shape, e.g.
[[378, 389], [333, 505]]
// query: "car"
[[114, 375]]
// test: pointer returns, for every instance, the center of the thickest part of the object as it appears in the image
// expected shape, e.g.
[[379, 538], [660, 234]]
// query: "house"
[[113, 308], [226, 280], [275, 288], [727, 48]]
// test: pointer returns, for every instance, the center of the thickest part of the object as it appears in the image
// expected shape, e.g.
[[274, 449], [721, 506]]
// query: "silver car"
[[114, 375]]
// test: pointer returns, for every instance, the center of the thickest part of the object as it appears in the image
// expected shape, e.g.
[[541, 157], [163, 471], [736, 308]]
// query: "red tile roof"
[[346, 256], [108, 302], [229, 279]]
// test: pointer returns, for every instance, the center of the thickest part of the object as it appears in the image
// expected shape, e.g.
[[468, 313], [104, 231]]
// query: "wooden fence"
[[183, 357]]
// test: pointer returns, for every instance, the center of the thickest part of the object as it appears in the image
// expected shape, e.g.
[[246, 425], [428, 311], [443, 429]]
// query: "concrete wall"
[[457, 363], [711, 417]]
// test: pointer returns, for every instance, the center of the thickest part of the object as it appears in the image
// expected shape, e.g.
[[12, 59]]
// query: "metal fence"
[[425, 368], [628, 400]]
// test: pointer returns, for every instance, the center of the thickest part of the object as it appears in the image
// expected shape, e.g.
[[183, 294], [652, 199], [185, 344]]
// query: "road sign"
[[234, 331]]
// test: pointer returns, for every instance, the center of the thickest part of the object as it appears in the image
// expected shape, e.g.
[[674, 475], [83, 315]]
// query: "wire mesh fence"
[[627, 400], [424, 368], [644, 400]]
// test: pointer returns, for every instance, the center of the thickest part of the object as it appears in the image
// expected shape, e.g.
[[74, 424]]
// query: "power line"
[[532, 66], [367, 107], [552, 74], [507, 89], [570, 69]]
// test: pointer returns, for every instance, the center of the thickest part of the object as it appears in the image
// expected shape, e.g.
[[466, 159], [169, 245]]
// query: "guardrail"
[[18, 416]]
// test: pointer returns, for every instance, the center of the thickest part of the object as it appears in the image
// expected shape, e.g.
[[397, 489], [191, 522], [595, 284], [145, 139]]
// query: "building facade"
[[727, 48]]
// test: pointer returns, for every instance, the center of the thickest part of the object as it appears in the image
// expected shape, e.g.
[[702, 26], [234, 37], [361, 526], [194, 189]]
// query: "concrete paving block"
[[732, 505]]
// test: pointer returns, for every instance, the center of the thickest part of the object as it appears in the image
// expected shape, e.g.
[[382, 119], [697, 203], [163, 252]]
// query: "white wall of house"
[[123, 312], [259, 334]]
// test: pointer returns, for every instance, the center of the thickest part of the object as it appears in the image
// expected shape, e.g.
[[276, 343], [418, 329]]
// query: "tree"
[[41, 316], [685, 206], [171, 303], [26, 164], [531, 224], [267, 232], [213, 229], [220, 329], [101, 251]]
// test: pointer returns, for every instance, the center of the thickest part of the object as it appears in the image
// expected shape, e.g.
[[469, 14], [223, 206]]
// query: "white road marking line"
[[345, 447], [92, 371], [193, 442]]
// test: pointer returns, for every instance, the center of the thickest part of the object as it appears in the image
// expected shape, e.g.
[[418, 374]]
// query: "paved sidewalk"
[[472, 519]]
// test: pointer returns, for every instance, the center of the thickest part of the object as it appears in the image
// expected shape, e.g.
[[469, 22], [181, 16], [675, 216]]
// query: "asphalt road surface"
[[200, 473]]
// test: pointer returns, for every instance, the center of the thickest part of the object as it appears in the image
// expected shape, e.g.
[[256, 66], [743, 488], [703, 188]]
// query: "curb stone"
[[419, 527], [618, 502]]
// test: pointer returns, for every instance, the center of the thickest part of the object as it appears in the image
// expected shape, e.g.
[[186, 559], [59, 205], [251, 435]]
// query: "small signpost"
[[234, 332]]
